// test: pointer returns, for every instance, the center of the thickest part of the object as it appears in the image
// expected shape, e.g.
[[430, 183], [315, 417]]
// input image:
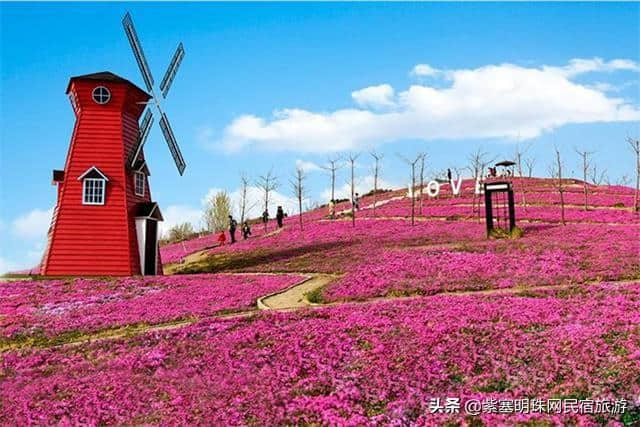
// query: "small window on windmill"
[[499, 206], [94, 184], [101, 95], [139, 183]]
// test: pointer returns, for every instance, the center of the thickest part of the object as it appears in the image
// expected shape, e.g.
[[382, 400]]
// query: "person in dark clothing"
[[265, 216], [246, 230], [280, 216], [233, 224], [449, 174]]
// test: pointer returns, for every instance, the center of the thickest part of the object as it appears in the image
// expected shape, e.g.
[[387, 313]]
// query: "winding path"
[[290, 299], [296, 295]]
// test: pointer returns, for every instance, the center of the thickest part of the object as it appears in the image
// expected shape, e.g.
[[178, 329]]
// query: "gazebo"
[[507, 166]]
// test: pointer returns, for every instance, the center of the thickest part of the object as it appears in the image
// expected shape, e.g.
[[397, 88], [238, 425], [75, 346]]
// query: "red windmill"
[[105, 222]]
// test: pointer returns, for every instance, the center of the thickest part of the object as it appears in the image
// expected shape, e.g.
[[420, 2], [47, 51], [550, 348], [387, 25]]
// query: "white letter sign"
[[433, 188]]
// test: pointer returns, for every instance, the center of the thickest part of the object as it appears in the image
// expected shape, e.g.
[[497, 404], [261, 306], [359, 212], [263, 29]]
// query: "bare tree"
[[598, 177], [530, 162], [377, 157], [267, 183], [518, 159], [586, 164], [412, 164], [555, 170], [298, 187], [478, 161], [423, 156], [352, 164], [624, 181], [332, 166], [244, 186], [635, 147]]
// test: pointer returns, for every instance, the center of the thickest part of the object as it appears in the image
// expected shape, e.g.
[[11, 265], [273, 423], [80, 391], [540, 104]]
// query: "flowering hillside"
[[381, 363], [424, 324]]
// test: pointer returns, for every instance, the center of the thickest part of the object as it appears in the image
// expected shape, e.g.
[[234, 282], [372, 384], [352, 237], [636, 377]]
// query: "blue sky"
[[340, 77]]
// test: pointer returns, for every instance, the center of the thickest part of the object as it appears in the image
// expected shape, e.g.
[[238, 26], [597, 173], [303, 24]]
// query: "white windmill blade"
[[130, 30], [165, 84], [144, 127], [172, 143]]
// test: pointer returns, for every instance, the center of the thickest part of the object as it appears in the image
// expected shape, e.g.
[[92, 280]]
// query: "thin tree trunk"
[[300, 210], [584, 180], [353, 207], [375, 189], [421, 183], [333, 184], [413, 193], [560, 187], [636, 201]]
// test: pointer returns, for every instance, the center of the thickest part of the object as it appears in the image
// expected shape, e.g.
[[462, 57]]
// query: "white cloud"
[[33, 224], [582, 66], [177, 214], [255, 202], [307, 166], [7, 266], [495, 101], [363, 185], [380, 96], [23, 260], [604, 87], [424, 70]]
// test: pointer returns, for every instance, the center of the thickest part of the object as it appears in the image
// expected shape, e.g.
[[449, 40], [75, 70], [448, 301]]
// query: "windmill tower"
[[105, 222]]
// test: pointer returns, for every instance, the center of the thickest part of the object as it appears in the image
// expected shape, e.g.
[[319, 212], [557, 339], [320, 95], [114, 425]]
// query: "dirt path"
[[201, 254], [296, 295], [370, 206], [289, 299]]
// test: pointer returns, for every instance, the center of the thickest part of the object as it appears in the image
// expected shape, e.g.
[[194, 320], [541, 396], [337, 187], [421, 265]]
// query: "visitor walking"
[[233, 224], [280, 216], [332, 209], [449, 174], [355, 203], [246, 230]]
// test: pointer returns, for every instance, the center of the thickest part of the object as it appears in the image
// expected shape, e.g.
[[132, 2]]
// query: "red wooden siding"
[[98, 239]]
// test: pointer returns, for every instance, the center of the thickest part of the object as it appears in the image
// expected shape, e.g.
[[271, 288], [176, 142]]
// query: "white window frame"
[[94, 194], [139, 175], [105, 92]]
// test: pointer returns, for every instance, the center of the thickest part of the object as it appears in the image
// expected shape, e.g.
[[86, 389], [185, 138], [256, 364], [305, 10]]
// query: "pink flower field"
[[381, 363], [53, 307], [381, 323]]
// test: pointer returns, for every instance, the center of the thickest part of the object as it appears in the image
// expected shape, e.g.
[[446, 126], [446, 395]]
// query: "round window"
[[101, 95]]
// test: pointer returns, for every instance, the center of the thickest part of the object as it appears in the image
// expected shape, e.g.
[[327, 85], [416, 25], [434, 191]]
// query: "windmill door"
[[151, 247]]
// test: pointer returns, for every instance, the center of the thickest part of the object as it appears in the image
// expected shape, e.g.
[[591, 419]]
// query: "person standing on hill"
[[355, 203], [222, 238], [265, 218], [233, 224], [449, 174], [246, 230], [280, 216], [332, 209]]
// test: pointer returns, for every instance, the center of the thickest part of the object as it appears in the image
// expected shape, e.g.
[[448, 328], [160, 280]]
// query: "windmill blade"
[[165, 84], [130, 30], [172, 143], [145, 127]]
